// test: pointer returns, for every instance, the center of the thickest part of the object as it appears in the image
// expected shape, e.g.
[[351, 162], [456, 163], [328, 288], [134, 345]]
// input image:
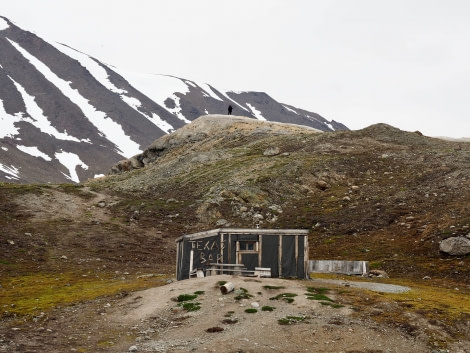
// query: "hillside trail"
[[54, 203]]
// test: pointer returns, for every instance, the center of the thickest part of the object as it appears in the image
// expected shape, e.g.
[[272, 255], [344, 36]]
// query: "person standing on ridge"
[[230, 110]]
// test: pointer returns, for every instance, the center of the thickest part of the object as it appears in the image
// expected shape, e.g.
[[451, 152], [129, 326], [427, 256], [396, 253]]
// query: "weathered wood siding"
[[336, 266]]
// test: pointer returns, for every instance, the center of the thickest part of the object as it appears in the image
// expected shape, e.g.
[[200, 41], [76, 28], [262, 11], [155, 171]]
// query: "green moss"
[[318, 296], [267, 308], [289, 320], [251, 310], [287, 297], [186, 297], [318, 290], [31, 293], [191, 306]]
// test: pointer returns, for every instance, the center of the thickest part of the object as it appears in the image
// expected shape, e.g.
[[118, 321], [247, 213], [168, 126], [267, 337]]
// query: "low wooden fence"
[[337, 266]]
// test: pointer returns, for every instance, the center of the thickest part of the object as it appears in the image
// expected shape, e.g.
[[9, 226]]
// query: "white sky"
[[402, 62]]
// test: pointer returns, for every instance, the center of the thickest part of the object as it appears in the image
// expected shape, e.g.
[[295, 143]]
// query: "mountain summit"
[[68, 117]]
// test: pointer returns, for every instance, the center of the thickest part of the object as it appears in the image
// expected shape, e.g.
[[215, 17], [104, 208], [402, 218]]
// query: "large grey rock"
[[455, 246]]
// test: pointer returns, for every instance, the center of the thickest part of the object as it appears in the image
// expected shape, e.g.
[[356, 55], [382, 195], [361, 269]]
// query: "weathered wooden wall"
[[336, 266]]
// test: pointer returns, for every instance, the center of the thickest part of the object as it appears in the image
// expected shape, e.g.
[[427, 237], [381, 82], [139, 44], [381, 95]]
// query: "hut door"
[[248, 253]]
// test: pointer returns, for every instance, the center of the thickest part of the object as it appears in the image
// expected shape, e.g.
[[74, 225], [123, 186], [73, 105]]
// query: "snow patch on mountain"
[[101, 75], [95, 69], [256, 112], [289, 109], [235, 102], [34, 151], [330, 126], [38, 119], [159, 88], [3, 24], [208, 89], [11, 171], [107, 127], [71, 161], [7, 122]]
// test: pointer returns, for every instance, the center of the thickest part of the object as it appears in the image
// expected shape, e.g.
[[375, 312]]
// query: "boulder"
[[273, 151], [322, 185], [457, 246]]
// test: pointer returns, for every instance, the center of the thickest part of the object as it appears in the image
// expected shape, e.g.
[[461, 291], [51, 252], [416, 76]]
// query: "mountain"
[[68, 117]]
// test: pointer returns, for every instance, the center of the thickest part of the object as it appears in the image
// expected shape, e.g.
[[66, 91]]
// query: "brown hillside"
[[378, 194]]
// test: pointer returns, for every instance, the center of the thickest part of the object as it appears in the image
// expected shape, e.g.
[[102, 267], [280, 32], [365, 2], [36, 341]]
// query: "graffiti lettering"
[[209, 251], [208, 258]]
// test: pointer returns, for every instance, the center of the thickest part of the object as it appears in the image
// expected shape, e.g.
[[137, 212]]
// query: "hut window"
[[248, 246]]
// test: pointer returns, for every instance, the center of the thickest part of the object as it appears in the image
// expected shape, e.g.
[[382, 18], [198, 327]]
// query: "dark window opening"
[[248, 246]]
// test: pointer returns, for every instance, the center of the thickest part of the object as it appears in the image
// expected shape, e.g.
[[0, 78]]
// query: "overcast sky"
[[402, 62]]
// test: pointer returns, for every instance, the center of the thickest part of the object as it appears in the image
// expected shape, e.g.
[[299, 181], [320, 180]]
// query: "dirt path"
[[153, 321], [160, 325]]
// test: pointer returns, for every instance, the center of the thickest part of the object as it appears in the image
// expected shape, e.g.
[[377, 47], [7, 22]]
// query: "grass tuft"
[[267, 308], [287, 297], [289, 320], [186, 297]]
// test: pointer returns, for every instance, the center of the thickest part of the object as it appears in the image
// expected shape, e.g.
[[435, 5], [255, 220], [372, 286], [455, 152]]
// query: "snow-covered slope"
[[66, 117]]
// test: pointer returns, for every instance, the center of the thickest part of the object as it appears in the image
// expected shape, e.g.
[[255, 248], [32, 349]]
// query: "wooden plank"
[[260, 253], [338, 266], [226, 265]]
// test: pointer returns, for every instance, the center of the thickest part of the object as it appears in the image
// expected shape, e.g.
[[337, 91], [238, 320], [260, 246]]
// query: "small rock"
[[378, 273], [11, 242], [322, 185], [221, 222], [63, 257], [255, 305], [273, 151], [426, 277], [276, 208], [133, 349], [102, 204]]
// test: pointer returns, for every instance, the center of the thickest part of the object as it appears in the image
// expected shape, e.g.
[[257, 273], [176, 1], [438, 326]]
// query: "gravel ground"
[[376, 287]]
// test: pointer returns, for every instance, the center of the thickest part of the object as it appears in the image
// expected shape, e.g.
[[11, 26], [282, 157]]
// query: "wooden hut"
[[283, 251]]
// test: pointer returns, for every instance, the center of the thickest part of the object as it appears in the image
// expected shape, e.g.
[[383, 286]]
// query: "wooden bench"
[[262, 272], [219, 268], [237, 270]]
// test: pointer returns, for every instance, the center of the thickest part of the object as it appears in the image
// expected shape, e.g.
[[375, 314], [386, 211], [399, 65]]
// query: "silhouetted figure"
[[230, 110]]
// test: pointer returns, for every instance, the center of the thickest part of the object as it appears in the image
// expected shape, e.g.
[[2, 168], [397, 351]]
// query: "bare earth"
[[162, 326]]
